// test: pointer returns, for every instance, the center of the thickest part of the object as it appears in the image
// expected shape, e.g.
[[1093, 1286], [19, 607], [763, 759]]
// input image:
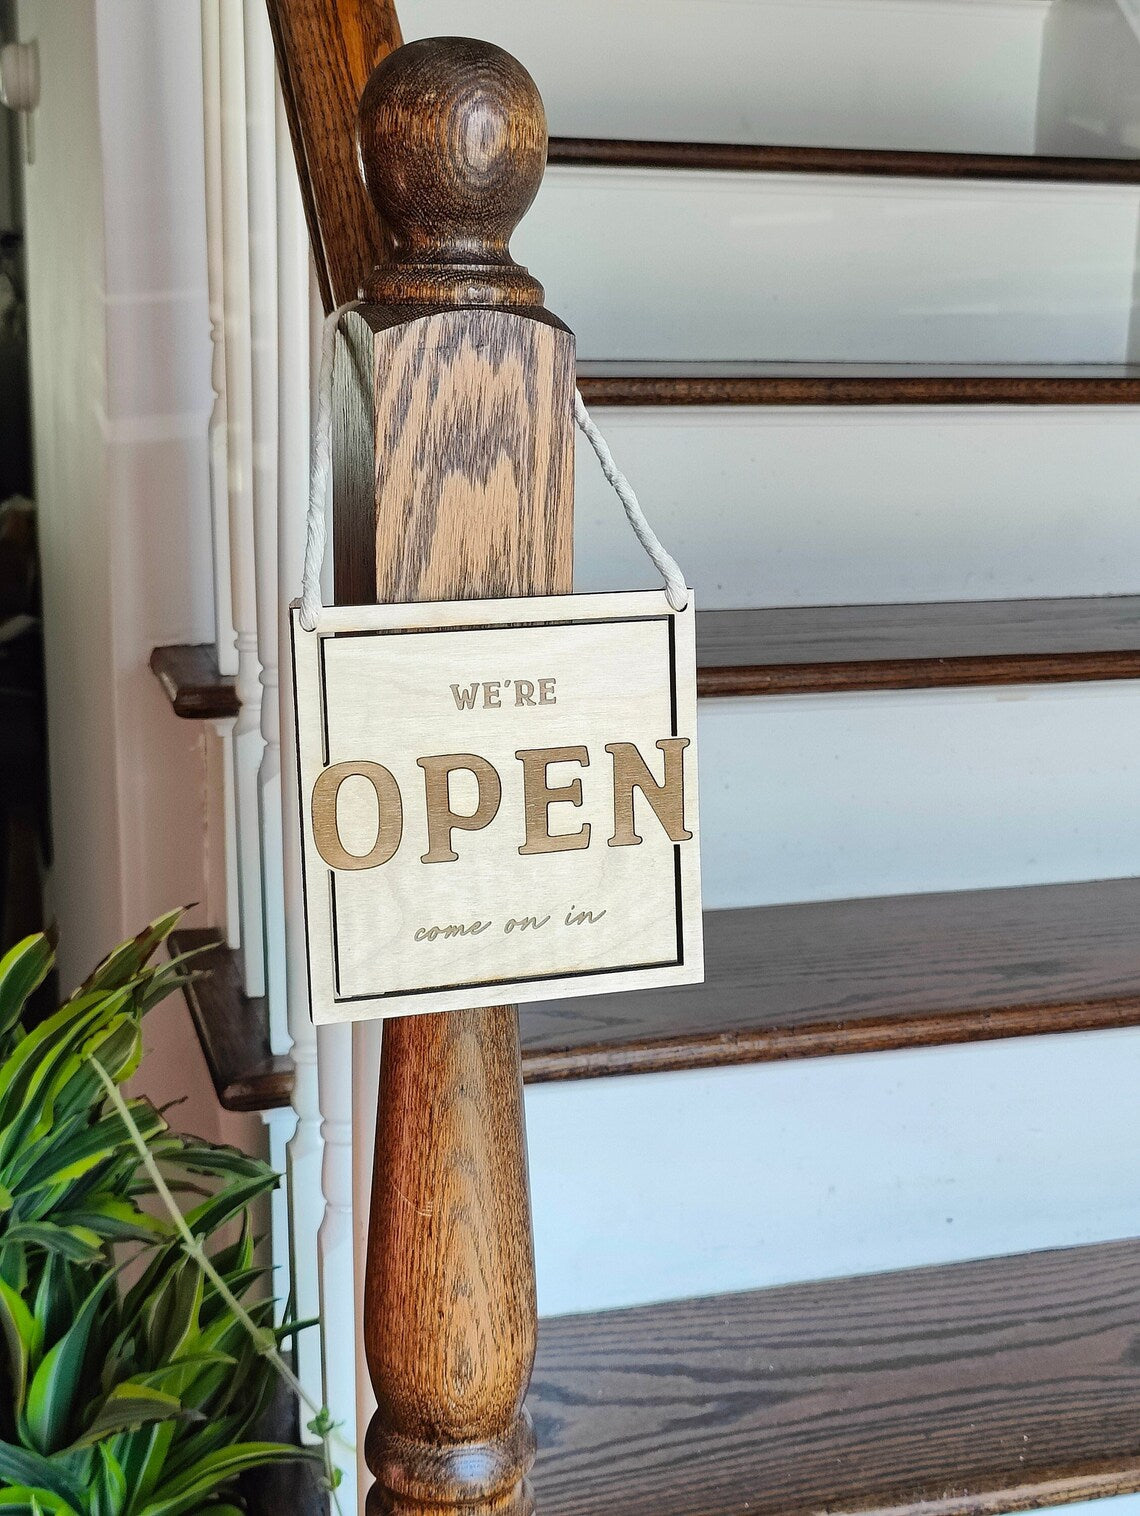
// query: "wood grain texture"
[[425, 902], [474, 479], [192, 683], [471, 460], [452, 137], [233, 1032], [326, 50], [745, 383], [981, 1387], [875, 163], [795, 981], [450, 1309], [822, 649], [816, 649], [851, 976], [474, 457]]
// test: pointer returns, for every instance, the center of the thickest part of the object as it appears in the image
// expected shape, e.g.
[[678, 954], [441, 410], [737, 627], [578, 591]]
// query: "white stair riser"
[[1088, 101], [783, 506], [956, 74], [668, 1185], [826, 797], [824, 267]]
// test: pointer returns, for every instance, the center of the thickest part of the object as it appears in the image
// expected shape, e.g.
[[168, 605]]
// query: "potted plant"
[[137, 1350]]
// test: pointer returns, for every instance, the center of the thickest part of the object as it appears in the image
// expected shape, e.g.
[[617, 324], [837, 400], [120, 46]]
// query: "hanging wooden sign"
[[498, 801]]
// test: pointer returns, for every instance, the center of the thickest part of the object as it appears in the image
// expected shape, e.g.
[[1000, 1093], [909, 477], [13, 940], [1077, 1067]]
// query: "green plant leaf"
[[228, 1203], [122, 966], [57, 1384], [23, 1340], [22, 970], [210, 1474], [19, 1500], [128, 1407], [72, 1144], [77, 1244], [115, 1221], [143, 1455], [173, 1320], [217, 1162], [126, 1400], [195, 1381], [110, 1489], [56, 1301], [20, 1466]]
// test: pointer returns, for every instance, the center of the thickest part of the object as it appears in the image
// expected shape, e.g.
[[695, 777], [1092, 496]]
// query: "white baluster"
[[294, 403], [278, 1125], [219, 494], [247, 739], [339, 1320], [367, 1037], [336, 1252], [224, 643], [224, 731], [261, 169]]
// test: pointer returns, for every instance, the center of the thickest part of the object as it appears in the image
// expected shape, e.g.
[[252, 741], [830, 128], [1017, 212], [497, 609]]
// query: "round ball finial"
[[452, 140]]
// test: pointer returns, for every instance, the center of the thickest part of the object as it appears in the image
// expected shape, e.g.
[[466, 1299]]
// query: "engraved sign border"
[[524, 614]]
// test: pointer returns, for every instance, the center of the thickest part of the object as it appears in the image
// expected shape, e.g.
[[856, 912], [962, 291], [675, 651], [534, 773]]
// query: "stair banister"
[[326, 50], [474, 381]]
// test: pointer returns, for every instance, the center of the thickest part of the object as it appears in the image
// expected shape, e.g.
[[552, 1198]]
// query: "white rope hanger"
[[316, 533]]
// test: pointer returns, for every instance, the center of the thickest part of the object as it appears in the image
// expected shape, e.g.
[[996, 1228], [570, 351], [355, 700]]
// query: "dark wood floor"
[[675, 382], [827, 648], [869, 162], [794, 981], [976, 1388]]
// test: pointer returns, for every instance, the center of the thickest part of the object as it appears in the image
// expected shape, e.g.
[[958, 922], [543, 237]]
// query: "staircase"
[[854, 292], [857, 321]]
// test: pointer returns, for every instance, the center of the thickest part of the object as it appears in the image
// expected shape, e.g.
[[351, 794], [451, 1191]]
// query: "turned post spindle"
[[453, 480]]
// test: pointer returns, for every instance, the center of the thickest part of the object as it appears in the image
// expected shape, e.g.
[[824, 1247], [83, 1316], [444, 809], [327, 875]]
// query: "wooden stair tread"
[[892, 163], [668, 382], [801, 649], [233, 1031], [980, 1387], [785, 981], [193, 684], [798, 981]]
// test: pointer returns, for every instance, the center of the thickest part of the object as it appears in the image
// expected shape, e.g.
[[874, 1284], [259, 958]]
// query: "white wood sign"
[[498, 801]]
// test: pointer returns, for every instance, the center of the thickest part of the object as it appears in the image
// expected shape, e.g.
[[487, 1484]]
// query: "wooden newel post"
[[469, 442]]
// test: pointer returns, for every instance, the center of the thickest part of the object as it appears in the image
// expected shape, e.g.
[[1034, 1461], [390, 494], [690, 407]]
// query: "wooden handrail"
[[326, 51]]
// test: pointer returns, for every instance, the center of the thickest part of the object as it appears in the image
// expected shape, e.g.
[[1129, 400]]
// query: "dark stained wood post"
[[456, 483]]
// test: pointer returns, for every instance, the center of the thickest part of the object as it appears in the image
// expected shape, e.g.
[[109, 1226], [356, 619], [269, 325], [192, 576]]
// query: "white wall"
[[662, 1186], [954, 74], [1089, 97], [120, 359]]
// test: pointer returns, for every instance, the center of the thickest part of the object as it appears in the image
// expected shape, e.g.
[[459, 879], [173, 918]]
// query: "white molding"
[[1012, 7], [337, 1248], [225, 637], [957, 701], [733, 182], [261, 188], [286, 938], [620, 418], [247, 728]]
